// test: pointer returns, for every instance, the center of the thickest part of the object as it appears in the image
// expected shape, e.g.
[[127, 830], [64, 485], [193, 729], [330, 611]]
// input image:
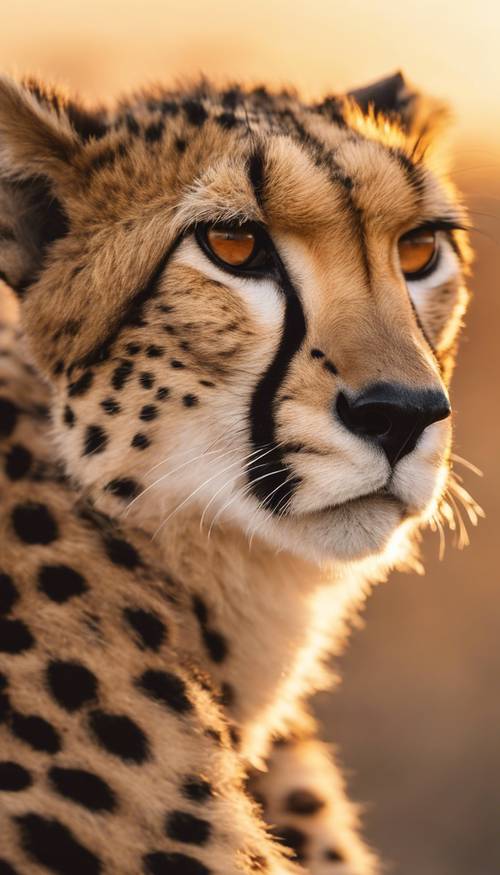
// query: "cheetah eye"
[[418, 253], [242, 249]]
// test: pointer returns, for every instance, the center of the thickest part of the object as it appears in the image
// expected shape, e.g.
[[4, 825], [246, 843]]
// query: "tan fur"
[[149, 366]]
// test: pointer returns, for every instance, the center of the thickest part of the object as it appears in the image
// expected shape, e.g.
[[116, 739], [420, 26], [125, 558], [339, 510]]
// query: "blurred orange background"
[[417, 718]]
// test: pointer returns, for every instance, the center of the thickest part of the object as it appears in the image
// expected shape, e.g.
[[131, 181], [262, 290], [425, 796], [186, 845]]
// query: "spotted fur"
[[186, 524]]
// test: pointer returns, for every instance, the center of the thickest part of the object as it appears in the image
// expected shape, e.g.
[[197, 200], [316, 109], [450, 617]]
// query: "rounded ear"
[[41, 135], [420, 117]]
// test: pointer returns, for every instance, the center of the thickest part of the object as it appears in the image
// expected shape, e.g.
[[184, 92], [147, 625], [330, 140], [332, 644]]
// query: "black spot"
[[121, 552], [256, 176], [206, 383], [123, 487], [180, 145], [228, 695], [6, 868], [200, 609], [95, 441], [227, 120], [133, 348], [293, 838], [162, 392], [190, 400], [110, 406], [148, 412], [161, 863], [175, 363], [150, 629], [303, 802], [166, 688], [317, 354], [196, 113], [83, 787], [36, 732], [121, 374], [235, 736], [58, 368], [8, 417], [15, 637], [146, 380], [82, 385], [53, 845], [13, 777], [104, 159], [132, 125], [34, 524], [60, 582], [197, 789], [120, 736], [8, 593], [185, 827], [140, 441], [333, 855], [154, 352], [71, 684], [216, 645], [231, 98], [154, 132], [69, 416], [329, 366], [18, 462]]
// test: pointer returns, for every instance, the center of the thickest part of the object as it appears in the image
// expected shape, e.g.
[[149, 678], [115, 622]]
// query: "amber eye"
[[417, 251], [233, 247]]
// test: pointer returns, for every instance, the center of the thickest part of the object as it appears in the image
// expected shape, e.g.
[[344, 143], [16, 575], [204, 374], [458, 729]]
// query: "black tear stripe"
[[279, 483], [134, 310]]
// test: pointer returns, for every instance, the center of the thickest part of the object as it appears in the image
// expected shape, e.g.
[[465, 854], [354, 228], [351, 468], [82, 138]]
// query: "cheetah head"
[[245, 305]]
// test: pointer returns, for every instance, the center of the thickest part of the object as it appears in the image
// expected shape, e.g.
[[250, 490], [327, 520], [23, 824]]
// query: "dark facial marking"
[[83, 787], [175, 363], [140, 441], [54, 846], [146, 379], [13, 777], [123, 487], [133, 348], [317, 354], [293, 838], [82, 385], [18, 462], [69, 416], [95, 440], [330, 367], [8, 593], [71, 684], [120, 552], [148, 413], [120, 736], [8, 417], [35, 731], [196, 113], [121, 374], [110, 406], [162, 392], [256, 176], [151, 632], [190, 400], [166, 688], [155, 352], [334, 855], [6, 868], [33, 523], [60, 582], [196, 789], [185, 827], [15, 637]]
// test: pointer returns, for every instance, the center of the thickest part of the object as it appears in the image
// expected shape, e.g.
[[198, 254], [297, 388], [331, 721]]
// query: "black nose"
[[392, 416]]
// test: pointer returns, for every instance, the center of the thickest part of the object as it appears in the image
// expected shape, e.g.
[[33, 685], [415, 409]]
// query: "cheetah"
[[224, 416]]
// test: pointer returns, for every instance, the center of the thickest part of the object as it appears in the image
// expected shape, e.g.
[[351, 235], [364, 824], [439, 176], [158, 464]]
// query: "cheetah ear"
[[41, 134], [422, 118]]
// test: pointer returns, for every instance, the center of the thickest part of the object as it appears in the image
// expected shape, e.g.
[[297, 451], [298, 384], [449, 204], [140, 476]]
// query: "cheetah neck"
[[265, 623]]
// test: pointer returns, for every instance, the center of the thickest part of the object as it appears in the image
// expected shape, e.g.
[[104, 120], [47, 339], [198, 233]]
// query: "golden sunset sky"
[[103, 47]]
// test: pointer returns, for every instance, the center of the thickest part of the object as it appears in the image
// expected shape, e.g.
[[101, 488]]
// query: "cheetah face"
[[250, 314]]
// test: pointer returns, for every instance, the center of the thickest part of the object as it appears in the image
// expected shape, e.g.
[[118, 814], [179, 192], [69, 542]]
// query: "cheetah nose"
[[392, 416]]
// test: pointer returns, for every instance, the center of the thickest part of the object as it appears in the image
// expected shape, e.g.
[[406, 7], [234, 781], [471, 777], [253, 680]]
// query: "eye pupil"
[[416, 251], [233, 247]]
